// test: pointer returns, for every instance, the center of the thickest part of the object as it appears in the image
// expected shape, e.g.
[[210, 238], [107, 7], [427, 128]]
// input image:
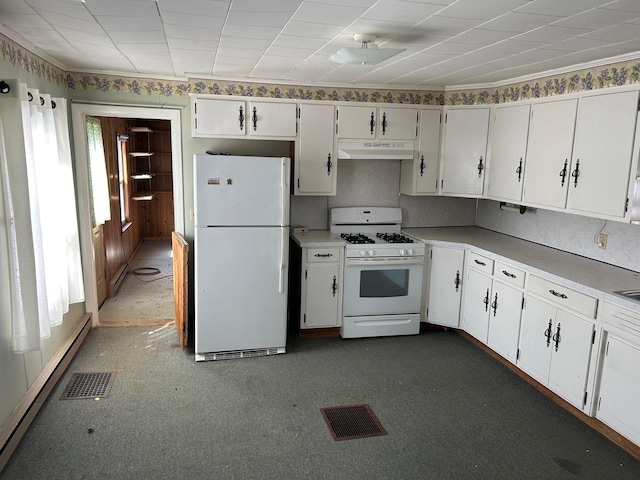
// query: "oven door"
[[381, 286]]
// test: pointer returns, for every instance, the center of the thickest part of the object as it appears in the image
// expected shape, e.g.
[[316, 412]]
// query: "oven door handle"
[[385, 261]]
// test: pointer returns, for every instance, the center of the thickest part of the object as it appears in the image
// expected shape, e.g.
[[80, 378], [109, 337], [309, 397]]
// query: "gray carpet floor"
[[451, 412]]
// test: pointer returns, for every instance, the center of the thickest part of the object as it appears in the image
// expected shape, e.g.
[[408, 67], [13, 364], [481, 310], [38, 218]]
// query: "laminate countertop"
[[318, 239], [582, 274]]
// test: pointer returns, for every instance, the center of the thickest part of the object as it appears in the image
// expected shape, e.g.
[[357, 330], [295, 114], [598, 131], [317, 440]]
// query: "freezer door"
[[241, 191], [241, 288]]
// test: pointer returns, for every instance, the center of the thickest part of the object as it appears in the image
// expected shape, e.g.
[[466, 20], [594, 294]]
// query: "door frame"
[[79, 112]]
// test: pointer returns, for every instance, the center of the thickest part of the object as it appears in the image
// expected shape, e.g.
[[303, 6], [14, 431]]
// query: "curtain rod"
[[90, 102]]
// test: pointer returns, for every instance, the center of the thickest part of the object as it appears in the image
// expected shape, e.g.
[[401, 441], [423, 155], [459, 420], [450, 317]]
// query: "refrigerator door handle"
[[285, 193], [283, 261]]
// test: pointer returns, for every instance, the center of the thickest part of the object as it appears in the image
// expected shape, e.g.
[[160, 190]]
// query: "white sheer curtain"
[[99, 183], [54, 231]]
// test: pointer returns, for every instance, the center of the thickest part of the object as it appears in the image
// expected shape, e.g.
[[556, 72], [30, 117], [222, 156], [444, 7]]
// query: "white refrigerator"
[[241, 255]]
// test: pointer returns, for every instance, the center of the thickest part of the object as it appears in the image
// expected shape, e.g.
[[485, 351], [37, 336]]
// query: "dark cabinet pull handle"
[[479, 262], [494, 305], [547, 333], [563, 173], [319, 255], [576, 173], [456, 282], [511, 275], [486, 302], [241, 119], [480, 166], [556, 337], [334, 286], [254, 119], [384, 123], [519, 170], [372, 123], [557, 294], [329, 164], [421, 165]]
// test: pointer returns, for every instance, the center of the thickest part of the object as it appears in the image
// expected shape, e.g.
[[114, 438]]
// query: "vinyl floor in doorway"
[[144, 300]]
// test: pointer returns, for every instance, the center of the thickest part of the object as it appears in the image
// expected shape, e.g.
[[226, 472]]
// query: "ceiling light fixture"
[[367, 54]]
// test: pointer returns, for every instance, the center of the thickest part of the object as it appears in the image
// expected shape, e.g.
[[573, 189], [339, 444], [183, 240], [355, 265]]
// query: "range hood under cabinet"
[[376, 150]]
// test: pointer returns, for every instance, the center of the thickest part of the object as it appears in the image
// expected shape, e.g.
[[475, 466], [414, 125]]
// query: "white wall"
[[571, 233]]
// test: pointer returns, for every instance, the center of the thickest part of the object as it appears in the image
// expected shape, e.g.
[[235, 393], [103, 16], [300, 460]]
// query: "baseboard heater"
[[18, 422]]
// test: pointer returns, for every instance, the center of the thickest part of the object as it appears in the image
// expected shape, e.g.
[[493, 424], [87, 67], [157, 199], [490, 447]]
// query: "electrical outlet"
[[602, 240]]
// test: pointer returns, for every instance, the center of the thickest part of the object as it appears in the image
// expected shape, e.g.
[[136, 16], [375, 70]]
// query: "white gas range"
[[382, 275]]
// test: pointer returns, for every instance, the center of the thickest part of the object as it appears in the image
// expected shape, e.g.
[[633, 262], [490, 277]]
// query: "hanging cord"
[[597, 234]]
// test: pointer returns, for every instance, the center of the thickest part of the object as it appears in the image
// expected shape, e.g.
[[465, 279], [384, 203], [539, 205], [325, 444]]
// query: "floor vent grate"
[[351, 422], [88, 385]]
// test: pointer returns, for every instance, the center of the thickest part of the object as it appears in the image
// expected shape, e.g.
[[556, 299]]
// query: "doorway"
[[79, 113]]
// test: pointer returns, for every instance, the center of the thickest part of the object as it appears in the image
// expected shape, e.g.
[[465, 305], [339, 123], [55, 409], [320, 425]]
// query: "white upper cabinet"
[[229, 117], [420, 175], [549, 153], [315, 160], [377, 123], [602, 154], [508, 148], [465, 151]]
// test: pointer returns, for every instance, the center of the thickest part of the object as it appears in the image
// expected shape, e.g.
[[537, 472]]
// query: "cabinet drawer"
[[620, 317], [563, 296], [509, 274], [481, 263], [315, 255]]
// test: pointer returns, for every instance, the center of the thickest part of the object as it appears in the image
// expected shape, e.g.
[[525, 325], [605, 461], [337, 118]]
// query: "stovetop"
[[378, 238]]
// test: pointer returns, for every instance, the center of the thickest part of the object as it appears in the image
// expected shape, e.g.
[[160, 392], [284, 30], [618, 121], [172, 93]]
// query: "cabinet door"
[[549, 153], [571, 351], [420, 176], [504, 320], [315, 159], [602, 154], [620, 388], [270, 119], [357, 122], [477, 302], [508, 152], [220, 117], [322, 296], [535, 338], [445, 286], [397, 123], [465, 151]]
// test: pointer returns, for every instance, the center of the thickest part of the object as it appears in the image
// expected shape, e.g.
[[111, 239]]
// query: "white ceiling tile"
[[353, 3], [577, 44], [401, 11], [143, 49], [479, 36], [142, 36], [299, 42], [513, 46], [551, 33], [62, 7], [188, 44], [246, 43], [234, 71], [114, 23], [24, 20], [262, 19], [313, 12], [209, 8], [484, 10], [595, 19], [299, 53], [377, 27], [231, 52], [560, 8], [17, 6], [133, 8], [205, 21], [306, 29], [623, 6], [227, 60], [441, 25], [193, 33], [97, 38], [519, 22], [258, 32], [617, 33], [262, 6]]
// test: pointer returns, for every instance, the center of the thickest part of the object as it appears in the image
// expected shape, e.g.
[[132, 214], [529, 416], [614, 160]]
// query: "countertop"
[[583, 274], [318, 239]]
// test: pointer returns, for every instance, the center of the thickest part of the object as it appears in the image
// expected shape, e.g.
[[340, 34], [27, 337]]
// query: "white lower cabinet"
[[555, 348], [444, 286], [321, 290], [504, 320], [477, 304]]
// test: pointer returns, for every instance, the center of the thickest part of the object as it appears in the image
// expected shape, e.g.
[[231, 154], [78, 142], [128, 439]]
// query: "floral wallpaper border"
[[616, 74]]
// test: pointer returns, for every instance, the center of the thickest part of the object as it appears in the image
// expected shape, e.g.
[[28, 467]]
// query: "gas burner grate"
[[394, 238], [351, 422], [356, 238], [88, 385]]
